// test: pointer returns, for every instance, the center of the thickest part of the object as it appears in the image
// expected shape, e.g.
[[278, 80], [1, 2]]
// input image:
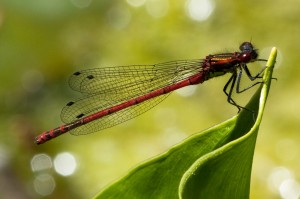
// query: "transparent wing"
[[107, 87], [133, 79], [118, 117]]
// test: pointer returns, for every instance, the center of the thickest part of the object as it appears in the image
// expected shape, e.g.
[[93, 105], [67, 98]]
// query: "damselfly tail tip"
[[36, 141], [39, 140]]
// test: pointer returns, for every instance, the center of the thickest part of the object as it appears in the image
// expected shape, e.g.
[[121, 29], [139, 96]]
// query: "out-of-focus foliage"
[[43, 42]]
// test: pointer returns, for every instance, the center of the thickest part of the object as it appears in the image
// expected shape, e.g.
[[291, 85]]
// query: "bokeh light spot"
[[277, 176], [44, 184], [200, 10], [289, 189], [187, 91], [65, 164], [40, 162], [281, 181], [136, 3], [157, 8], [118, 17]]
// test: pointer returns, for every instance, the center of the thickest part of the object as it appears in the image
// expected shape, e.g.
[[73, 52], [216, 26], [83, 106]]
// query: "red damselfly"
[[114, 95]]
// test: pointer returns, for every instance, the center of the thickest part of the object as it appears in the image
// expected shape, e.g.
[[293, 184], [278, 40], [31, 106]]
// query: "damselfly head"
[[248, 49]]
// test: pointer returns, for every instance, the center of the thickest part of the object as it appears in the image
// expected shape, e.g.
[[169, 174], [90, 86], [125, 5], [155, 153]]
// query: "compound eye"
[[246, 47]]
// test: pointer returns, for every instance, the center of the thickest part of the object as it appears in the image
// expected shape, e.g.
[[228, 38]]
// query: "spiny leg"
[[244, 66], [252, 78], [231, 82]]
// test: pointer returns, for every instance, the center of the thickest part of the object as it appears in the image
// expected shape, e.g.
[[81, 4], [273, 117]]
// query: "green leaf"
[[215, 163]]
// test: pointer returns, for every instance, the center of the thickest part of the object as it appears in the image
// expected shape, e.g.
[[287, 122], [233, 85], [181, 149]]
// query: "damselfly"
[[114, 95]]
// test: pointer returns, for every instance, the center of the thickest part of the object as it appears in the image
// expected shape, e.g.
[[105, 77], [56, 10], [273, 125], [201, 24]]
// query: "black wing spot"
[[70, 103], [79, 116], [90, 77], [77, 73]]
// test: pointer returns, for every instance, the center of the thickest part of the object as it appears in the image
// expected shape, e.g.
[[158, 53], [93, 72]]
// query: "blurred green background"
[[43, 42]]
